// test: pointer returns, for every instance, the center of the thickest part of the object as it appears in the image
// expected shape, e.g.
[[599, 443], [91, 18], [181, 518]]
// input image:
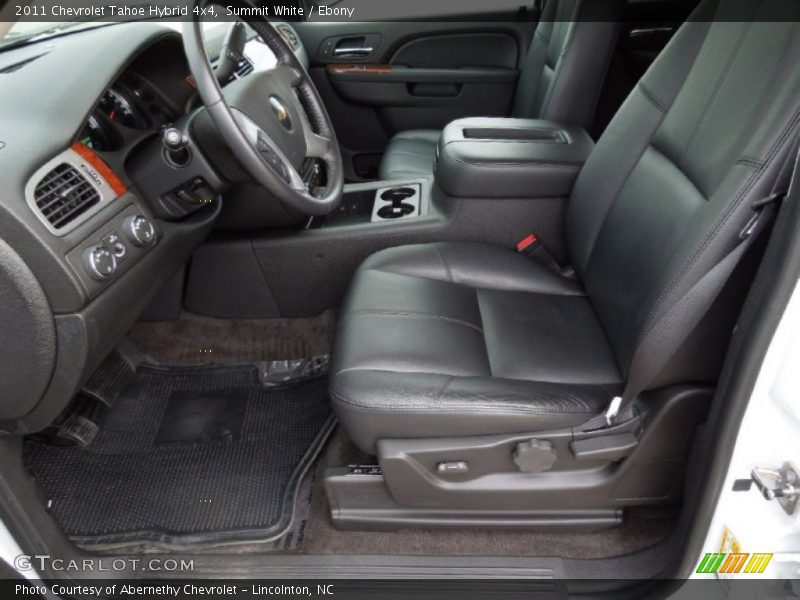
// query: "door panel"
[[408, 98], [459, 50]]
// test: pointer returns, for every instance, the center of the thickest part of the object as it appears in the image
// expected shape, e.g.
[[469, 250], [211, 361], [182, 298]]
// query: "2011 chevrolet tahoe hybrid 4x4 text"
[[380, 299]]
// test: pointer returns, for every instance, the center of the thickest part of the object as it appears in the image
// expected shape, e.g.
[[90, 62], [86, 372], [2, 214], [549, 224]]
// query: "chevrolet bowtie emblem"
[[280, 110]]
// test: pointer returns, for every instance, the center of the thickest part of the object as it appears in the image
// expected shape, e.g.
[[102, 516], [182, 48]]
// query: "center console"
[[487, 157], [496, 180]]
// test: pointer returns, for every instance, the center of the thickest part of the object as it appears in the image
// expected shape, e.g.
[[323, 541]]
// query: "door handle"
[[346, 51]]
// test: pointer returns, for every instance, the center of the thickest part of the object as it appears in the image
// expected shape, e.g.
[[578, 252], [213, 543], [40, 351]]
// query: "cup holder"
[[398, 194], [395, 210], [396, 203]]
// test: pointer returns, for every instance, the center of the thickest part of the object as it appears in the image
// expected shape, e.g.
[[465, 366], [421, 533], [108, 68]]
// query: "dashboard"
[[83, 246]]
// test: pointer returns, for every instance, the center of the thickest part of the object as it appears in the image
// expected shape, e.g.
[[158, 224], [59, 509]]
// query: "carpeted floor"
[[195, 339]]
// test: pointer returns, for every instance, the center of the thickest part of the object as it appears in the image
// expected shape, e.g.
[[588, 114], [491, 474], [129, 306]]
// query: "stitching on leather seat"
[[651, 97], [411, 314], [437, 399], [723, 219], [444, 262], [717, 87], [750, 162], [485, 345], [579, 293], [494, 406]]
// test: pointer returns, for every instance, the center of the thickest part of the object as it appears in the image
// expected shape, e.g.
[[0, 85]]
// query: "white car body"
[[769, 437]]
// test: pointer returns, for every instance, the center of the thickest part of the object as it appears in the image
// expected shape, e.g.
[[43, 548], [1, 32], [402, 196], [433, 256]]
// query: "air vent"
[[64, 194], [288, 35], [245, 67]]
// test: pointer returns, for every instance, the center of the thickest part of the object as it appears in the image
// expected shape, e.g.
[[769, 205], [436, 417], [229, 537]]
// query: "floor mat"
[[160, 471]]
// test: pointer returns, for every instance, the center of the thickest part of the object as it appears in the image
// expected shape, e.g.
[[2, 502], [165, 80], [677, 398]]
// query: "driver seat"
[[453, 339]]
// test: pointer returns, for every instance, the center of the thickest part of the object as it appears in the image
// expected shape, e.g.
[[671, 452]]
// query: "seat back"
[[670, 185], [567, 60]]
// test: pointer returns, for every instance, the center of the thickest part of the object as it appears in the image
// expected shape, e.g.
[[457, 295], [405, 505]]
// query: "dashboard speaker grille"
[[64, 194]]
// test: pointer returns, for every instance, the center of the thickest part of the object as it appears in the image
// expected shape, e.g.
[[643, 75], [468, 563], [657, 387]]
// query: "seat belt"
[[661, 342]]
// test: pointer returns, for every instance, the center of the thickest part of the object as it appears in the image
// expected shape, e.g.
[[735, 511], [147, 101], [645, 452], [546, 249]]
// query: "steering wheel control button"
[[139, 230], [99, 262], [277, 165], [114, 243], [273, 160]]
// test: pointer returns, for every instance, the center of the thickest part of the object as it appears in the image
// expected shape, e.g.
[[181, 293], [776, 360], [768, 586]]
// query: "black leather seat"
[[453, 339], [466, 339], [561, 77]]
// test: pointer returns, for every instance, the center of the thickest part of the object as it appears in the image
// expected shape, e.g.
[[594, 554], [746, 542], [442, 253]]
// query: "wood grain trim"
[[339, 69], [101, 167]]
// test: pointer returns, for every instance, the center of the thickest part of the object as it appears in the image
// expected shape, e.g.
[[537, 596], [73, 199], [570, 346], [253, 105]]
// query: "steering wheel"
[[271, 120]]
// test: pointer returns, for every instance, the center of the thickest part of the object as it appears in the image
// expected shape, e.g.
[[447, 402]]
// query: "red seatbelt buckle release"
[[532, 246], [529, 244]]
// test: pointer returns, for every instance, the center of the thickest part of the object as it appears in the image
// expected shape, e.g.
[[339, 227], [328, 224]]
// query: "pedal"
[[111, 378], [78, 430]]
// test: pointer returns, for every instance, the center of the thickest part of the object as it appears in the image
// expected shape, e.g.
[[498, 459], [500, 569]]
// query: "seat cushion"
[[454, 339], [410, 154]]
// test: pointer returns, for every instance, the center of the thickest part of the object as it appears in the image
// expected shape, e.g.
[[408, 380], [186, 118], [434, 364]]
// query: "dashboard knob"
[[99, 262], [176, 149], [173, 138], [139, 230]]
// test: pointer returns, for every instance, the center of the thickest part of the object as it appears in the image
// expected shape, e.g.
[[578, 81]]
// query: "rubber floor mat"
[[188, 455]]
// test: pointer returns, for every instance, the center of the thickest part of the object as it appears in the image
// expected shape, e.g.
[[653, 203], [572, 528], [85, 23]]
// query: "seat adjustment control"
[[139, 230], [456, 466], [534, 456]]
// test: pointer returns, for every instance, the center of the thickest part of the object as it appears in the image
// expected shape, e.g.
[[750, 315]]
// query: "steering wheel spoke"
[[287, 74], [278, 162], [317, 146], [269, 151]]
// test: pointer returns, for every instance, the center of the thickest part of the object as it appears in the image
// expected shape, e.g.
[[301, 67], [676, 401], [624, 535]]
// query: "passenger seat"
[[561, 78]]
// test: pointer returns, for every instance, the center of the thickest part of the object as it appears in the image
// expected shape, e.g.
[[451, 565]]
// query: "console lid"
[[487, 157]]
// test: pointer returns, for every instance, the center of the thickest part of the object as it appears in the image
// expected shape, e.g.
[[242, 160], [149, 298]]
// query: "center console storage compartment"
[[485, 157]]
